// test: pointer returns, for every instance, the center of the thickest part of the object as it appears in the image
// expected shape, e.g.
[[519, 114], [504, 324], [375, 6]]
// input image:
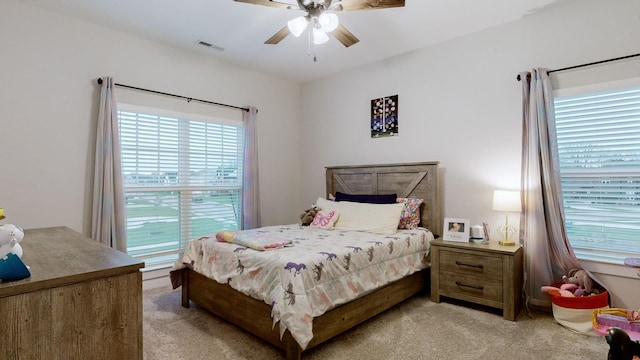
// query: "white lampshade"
[[508, 201], [319, 36], [328, 21], [297, 25]]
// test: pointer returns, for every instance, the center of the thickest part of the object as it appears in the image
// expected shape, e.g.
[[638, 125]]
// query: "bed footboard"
[[223, 301]]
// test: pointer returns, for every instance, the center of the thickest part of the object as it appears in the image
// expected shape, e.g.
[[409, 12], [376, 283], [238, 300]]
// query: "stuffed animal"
[[580, 278], [11, 266], [10, 237], [566, 290], [307, 216]]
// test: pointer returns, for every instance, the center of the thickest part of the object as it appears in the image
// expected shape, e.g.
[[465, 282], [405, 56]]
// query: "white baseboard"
[[156, 278]]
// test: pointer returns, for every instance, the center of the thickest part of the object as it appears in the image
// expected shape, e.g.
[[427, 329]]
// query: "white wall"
[[48, 108], [460, 104]]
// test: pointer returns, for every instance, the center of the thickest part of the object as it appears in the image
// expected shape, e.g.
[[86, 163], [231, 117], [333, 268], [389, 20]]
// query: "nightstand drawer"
[[487, 267], [471, 288]]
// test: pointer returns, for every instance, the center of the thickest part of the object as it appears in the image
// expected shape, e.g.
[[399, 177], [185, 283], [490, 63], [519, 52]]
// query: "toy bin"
[[575, 313]]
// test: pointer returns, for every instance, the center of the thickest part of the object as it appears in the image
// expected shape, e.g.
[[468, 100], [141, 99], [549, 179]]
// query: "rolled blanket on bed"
[[253, 240], [225, 236]]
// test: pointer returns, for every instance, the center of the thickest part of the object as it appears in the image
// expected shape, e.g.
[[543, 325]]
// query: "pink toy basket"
[[575, 313]]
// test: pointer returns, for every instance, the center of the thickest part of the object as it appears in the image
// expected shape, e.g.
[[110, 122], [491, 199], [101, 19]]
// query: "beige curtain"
[[108, 219], [251, 183], [547, 252]]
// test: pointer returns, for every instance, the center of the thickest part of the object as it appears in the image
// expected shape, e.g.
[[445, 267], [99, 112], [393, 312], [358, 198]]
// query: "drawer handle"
[[469, 265], [469, 286]]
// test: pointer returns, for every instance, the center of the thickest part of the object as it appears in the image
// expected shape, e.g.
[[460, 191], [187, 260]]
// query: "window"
[[599, 149], [182, 179]]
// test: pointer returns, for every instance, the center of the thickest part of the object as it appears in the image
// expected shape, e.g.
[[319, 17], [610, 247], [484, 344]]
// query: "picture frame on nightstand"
[[456, 229]]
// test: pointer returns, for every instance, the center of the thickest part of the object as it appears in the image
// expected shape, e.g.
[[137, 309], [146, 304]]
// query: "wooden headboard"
[[415, 180]]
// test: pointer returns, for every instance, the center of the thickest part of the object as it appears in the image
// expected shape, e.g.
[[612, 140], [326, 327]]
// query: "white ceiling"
[[241, 29]]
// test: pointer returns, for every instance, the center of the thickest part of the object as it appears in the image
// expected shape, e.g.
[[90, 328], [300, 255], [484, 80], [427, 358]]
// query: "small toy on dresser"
[[10, 237], [11, 266]]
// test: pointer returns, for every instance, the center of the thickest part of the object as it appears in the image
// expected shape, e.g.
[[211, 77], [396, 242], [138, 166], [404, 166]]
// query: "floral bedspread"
[[323, 269]]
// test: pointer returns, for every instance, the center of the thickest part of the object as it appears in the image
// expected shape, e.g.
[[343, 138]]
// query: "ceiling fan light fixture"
[[297, 25], [328, 21], [319, 36], [316, 9]]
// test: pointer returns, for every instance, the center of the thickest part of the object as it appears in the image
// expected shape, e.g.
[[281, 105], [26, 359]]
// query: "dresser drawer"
[[471, 288], [486, 267]]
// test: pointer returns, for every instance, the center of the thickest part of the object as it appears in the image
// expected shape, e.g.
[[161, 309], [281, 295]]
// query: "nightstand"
[[486, 274]]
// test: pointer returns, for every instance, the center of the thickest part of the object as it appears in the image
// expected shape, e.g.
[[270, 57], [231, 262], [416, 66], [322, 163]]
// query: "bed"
[[411, 180]]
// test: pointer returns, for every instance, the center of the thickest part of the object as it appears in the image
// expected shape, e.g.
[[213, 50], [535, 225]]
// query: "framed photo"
[[456, 230], [384, 116]]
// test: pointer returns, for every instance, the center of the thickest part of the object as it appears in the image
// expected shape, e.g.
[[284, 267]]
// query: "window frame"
[[597, 255], [186, 200]]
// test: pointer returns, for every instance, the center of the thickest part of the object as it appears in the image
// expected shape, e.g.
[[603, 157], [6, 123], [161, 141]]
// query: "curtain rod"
[[588, 64], [177, 96]]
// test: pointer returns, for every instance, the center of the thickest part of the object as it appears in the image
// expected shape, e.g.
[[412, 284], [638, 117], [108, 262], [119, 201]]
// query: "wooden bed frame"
[[419, 180]]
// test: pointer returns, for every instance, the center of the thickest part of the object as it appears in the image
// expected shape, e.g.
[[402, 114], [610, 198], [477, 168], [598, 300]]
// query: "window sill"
[[611, 269]]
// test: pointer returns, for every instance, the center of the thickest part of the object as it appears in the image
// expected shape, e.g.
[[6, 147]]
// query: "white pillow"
[[373, 218]]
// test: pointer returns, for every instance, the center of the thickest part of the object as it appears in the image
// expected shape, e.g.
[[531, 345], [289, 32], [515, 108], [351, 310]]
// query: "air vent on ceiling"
[[209, 45]]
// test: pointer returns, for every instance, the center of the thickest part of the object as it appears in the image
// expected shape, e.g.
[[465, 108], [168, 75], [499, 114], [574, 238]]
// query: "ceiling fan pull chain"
[[309, 43], [312, 46]]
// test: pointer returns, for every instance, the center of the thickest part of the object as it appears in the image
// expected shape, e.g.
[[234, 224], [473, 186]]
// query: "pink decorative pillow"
[[324, 220], [410, 217]]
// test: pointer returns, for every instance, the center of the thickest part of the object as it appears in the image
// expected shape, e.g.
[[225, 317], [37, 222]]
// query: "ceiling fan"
[[321, 18]]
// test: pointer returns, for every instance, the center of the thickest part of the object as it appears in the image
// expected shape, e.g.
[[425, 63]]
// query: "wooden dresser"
[[486, 274], [82, 301]]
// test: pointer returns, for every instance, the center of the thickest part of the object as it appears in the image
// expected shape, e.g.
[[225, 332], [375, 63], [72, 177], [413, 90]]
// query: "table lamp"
[[507, 201]]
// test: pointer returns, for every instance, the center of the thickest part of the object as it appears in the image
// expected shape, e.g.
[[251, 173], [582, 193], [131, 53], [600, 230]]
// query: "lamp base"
[[506, 242]]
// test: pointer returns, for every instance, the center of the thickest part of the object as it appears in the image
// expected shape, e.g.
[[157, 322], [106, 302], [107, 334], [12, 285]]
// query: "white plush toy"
[[10, 237]]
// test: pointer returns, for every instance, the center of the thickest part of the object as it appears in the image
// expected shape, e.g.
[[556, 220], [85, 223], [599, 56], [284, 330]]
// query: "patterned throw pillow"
[[410, 217], [324, 220]]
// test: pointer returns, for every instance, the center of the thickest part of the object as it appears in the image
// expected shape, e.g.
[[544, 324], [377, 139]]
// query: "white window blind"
[[599, 149], [182, 179]]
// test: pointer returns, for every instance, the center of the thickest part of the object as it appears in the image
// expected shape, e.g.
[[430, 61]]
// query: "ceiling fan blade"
[[277, 37], [344, 36], [270, 3], [355, 5]]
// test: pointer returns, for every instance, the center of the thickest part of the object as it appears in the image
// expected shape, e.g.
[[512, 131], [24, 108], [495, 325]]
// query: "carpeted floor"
[[415, 329]]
